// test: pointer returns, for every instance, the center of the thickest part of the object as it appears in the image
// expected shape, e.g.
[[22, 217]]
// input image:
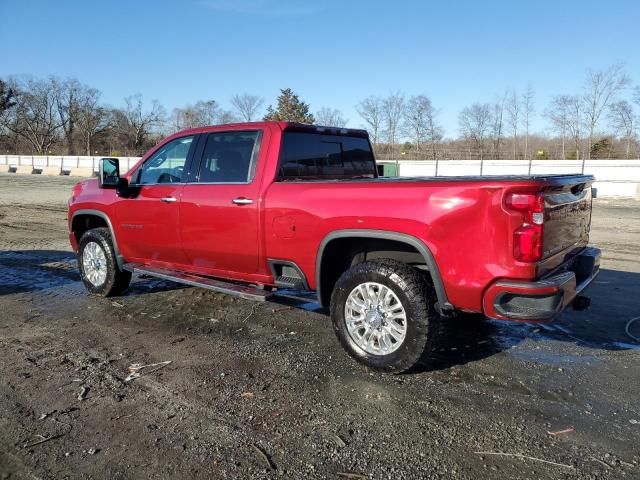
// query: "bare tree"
[[622, 118], [370, 109], [200, 114], [93, 118], [206, 112], [575, 121], [475, 122], [247, 106], [226, 116], [601, 88], [527, 113], [34, 117], [422, 125], [135, 123], [392, 112], [331, 117], [498, 124], [559, 113], [513, 118], [435, 132], [68, 94]]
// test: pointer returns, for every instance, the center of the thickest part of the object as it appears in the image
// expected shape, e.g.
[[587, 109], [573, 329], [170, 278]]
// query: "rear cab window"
[[324, 156]]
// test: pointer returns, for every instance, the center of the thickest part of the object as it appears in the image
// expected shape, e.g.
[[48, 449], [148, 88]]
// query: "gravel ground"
[[264, 390]]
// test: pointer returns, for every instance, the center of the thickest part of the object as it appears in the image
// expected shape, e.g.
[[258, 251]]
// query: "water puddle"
[[552, 358], [29, 270]]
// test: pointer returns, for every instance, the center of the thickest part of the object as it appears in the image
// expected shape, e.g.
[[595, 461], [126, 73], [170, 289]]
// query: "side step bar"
[[250, 293]]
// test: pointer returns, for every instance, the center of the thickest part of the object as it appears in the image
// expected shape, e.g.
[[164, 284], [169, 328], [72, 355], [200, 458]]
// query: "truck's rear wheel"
[[98, 266], [382, 312]]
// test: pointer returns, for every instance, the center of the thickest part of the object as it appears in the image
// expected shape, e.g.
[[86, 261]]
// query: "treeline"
[[64, 116], [600, 121]]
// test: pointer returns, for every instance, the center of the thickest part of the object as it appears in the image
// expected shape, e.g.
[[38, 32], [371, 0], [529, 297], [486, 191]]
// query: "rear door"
[[219, 209], [148, 224]]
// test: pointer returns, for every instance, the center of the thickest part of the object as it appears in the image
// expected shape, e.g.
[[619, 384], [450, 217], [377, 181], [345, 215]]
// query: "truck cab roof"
[[284, 126]]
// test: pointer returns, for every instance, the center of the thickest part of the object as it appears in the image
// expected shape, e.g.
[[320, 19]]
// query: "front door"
[[148, 224], [219, 210]]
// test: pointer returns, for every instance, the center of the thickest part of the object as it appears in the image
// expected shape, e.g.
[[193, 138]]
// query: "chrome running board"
[[220, 286]]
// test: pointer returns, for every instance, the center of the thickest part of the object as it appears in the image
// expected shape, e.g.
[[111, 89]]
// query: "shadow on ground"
[[32, 270], [601, 327], [464, 338]]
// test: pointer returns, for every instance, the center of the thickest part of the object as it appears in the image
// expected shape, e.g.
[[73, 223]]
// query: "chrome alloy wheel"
[[94, 263], [375, 319]]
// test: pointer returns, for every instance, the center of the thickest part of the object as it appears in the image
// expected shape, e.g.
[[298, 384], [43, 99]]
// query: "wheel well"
[[82, 223], [341, 254]]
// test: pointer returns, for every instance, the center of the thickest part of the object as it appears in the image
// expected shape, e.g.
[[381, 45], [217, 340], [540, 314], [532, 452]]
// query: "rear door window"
[[229, 157], [309, 156]]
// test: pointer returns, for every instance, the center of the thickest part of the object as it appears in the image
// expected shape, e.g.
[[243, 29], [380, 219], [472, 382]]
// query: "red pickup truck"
[[254, 209]]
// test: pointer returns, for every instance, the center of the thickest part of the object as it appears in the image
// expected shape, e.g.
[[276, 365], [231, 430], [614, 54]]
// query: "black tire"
[[116, 280], [415, 293]]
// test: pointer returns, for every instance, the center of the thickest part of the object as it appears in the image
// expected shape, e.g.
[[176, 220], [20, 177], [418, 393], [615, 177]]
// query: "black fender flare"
[[416, 243], [105, 217]]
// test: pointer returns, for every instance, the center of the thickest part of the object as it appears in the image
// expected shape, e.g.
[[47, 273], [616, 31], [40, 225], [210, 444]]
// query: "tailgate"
[[567, 220]]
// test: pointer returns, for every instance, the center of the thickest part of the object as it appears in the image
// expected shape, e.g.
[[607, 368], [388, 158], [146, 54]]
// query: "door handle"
[[242, 201], [168, 199]]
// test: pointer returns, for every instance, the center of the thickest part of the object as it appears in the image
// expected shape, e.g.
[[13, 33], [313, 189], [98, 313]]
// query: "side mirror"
[[109, 172]]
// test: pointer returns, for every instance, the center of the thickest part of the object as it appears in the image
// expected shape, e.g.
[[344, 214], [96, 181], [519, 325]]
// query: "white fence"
[[614, 177], [64, 163]]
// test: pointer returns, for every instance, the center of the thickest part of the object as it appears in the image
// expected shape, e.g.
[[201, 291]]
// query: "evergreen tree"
[[7, 94], [602, 149], [290, 109]]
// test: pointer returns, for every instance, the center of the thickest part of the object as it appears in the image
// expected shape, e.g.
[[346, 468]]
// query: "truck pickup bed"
[[259, 207]]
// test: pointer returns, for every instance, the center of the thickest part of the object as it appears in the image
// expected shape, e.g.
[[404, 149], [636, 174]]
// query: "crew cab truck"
[[254, 208]]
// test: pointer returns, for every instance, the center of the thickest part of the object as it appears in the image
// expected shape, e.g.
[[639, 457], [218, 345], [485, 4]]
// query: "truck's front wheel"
[[382, 312], [98, 266]]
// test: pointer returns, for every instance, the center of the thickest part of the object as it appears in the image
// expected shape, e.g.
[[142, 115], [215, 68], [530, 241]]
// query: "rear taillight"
[[75, 191], [527, 238]]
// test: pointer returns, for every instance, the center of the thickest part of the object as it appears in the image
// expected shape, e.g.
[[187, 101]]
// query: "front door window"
[[167, 164]]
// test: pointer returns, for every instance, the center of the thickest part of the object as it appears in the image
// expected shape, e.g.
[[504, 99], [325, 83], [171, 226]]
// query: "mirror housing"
[[109, 172], [124, 190]]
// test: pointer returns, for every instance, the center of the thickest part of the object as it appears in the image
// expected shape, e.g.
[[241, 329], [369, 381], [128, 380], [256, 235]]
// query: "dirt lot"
[[253, 393]]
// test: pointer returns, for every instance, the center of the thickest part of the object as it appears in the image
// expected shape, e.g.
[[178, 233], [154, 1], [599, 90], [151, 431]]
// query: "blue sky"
[[333, 53]]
